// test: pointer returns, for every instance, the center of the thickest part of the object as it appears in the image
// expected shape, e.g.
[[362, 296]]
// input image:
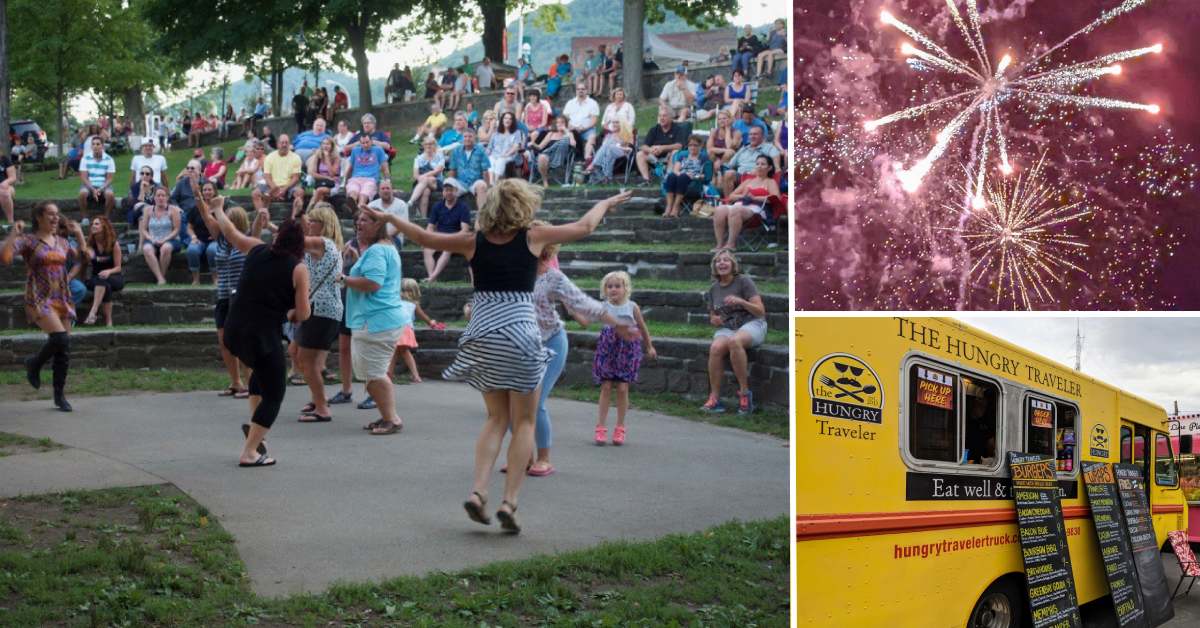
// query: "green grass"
[[766, 420], [16, 443], [98, 382], [152, 556], [591, 285], [45, 185], [173, 326], [684, 330]]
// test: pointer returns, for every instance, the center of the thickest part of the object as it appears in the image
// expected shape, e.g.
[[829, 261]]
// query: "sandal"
[[242, 393], [508, 518], [296, 379], [308, 408], [313, 417], [372, 425], [540, 471], [476, 511], [386, 427], [263, 461], [228, 392]]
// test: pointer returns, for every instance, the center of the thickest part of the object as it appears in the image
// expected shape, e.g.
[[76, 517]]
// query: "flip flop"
[[542, 472], [242, 394], [228, 392], [263, 461], [390, 428], [508, 518], [262, 446], [308, 408], [313, 417], [475, 511], [372, 425]]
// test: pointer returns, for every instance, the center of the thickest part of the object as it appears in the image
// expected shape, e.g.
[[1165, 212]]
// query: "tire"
[[1002, 605]]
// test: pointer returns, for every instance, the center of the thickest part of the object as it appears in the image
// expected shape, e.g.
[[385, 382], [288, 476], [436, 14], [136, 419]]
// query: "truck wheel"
[[1000, 606]]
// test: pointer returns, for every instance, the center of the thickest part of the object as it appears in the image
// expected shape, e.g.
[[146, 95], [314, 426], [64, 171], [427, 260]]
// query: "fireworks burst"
[[991, 87], [1017, 234]]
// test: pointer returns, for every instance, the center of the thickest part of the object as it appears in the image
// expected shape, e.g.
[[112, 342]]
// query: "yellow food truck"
[[905, 514]]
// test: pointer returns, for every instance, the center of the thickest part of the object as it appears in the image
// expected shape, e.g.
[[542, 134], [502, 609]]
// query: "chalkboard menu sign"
[[1131, 487], [1114, 544], [1052, 600]]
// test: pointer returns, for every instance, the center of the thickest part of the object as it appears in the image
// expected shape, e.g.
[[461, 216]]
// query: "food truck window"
[[952, 416], [1039, 426], [1165, 473], [1126, 445], [1065, 427], [933, 414]]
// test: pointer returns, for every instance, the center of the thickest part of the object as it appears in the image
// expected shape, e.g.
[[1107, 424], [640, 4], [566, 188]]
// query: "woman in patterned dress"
[[501, 354], [322, 246], [47, 297]]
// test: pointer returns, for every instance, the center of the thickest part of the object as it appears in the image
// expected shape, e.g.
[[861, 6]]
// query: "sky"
[[1153, 357]]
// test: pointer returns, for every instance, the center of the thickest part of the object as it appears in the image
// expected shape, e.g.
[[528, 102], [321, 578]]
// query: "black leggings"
[[265, 355]]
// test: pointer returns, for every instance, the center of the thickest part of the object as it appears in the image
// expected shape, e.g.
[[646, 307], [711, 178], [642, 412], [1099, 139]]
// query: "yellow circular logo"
[[843, 386]]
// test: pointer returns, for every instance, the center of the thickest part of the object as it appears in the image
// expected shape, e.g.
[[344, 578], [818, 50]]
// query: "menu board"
[[1114, 544], [1131, 487], [1052, 600]]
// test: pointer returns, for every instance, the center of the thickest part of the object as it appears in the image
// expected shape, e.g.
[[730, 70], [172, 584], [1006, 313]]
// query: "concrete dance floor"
[[342, 505]]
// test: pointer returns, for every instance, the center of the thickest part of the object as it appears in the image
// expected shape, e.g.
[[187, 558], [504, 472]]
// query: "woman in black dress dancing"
[[273, 288]]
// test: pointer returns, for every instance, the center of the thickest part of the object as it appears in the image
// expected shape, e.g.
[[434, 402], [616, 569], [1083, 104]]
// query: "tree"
[[53, 48], [129, 70], [4, 88], [361, 24], [637, 13]]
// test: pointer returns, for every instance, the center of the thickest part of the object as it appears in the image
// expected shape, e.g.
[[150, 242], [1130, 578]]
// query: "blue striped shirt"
[[97, 168]]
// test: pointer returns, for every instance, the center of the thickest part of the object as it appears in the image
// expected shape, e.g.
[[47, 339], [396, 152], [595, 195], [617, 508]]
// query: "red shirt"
[[340, 100]]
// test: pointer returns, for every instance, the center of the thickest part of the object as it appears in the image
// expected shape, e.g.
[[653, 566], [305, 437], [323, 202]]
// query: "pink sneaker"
[[601, 434], [619, 435]]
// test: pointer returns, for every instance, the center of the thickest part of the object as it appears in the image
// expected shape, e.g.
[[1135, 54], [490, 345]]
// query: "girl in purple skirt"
[[618, 359]]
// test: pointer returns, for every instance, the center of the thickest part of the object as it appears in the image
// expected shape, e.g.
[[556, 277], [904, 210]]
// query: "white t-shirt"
[[487, 77], [674, 95], [578, 112], [624, 113], [397, 208], [156, 163]]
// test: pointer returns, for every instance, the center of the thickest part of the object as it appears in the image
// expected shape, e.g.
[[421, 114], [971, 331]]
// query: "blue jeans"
[[558, 344], [197, 249], [741, 61]]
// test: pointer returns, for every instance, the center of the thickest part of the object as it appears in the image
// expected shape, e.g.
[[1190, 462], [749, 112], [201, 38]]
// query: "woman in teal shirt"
[[376, 315]]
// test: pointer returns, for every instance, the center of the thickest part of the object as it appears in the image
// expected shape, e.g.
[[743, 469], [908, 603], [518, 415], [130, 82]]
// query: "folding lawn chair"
[[1188, 566]]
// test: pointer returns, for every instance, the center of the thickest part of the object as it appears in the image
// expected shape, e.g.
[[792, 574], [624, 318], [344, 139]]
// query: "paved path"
[[342, 505]]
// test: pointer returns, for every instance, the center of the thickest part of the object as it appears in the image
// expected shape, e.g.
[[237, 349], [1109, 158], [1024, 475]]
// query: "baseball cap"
[[455, 183], [148, 140], [681, 69]]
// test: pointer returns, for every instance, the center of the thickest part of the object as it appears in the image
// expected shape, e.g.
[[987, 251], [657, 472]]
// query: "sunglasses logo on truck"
[[844, 387]]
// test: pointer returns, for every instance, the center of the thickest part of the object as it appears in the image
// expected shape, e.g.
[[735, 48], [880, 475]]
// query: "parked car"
[[31, 134]]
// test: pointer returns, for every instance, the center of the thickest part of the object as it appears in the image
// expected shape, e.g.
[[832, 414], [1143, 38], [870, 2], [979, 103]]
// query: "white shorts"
[[371, 354], [757, 329]]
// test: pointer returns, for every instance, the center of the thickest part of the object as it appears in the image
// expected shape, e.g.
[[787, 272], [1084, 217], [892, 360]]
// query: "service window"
[[952, 416], [1039, 426], [1065, 428], [1165, 473]]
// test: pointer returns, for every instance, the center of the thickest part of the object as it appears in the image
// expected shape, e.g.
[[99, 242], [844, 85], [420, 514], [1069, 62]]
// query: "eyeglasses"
[[147, 174], [190, 168]]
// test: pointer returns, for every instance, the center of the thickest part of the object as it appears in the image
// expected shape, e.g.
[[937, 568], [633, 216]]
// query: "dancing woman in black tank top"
[[501, 353], [273, 288]]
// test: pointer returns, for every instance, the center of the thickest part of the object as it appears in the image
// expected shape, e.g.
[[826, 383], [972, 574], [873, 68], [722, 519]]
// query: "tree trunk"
[[357, 35], [493, 28], [60, 100], [134, 110], [632, 33], [4, 87]]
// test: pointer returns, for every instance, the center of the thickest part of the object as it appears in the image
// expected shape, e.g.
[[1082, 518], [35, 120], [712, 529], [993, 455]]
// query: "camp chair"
[[758, 230], [568, 168], [1188, 566]]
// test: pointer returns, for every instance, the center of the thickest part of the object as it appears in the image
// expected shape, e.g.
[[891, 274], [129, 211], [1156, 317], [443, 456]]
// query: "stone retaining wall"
[[194, 306], [681, 366]]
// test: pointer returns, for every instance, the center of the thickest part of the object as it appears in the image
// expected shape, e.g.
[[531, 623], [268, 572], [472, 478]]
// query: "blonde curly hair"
[[330, 226], [509, 207]]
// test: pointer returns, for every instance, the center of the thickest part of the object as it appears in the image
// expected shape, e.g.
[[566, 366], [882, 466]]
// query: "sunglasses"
[[854, 370], [147, 174]]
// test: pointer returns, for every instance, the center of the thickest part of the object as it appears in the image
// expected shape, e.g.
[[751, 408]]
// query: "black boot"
[[60, 364], [34, 364]]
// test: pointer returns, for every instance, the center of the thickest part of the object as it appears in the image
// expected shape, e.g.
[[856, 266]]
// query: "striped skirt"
[[502, 346]]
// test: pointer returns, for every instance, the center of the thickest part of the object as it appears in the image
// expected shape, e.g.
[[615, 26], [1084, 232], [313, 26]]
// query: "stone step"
[[576, 264], [681, 367], [141, 305]]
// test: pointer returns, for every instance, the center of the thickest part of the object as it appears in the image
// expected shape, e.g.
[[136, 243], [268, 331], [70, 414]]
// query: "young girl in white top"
[[410, 292], [618, 360]]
